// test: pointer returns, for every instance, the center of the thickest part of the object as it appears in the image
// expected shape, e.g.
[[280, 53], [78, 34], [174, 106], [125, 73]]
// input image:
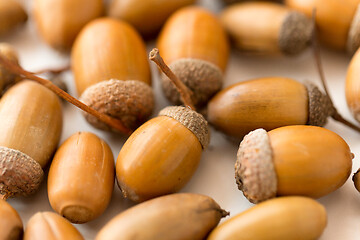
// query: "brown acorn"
[[175, 216], [29, 136], [111, 49], [146, 16], [267, 103], [50, 226], [12, 14], [352, 86], [337, 21], [267, 27], [82, 166], [60, 21], [195, 46], [293, 160], [11, 227], [295, 218], [356, 180]]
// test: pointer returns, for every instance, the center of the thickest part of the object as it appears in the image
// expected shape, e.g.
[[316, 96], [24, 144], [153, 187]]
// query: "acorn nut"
[[11, 227], [115, 80], [82, 166], [12, 14], [295, 218], [175, 216], [356, 180], [267, 27], [195, 46], [161, 155], [146, 16], [267, 103], [60, 21], [342, 33], [31, 117], [352, 86], [50, 226], [294, 160]]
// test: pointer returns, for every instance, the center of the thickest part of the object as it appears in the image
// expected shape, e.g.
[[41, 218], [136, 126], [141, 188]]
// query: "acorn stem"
[[316, 51], [112, 122], [181, 87], [53, 71]]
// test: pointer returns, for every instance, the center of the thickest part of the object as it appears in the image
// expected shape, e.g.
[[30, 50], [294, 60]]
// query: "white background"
[[215, 174]]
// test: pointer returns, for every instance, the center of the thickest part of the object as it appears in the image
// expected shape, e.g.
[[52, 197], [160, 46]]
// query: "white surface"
[[215, 174]]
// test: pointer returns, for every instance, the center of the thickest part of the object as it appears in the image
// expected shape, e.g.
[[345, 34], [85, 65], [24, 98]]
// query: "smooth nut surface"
[[12, 14], [11, 227], [296, 218], [159, 158], [176, 216], [81, 178], [108, 48], [50, 226]]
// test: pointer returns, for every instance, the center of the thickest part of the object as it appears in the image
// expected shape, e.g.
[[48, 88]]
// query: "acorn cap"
[[295, 33], [203, 78], [129, 101], [7, 77], [192, 120], [254, 168], [353, 41], [19, 173], [356, 180], [320, 106]]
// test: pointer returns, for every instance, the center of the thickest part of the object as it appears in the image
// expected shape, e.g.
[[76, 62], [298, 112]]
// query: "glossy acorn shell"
[[184, 216], [81, 178], [60, 21], [260, 103], [296, 218], [146, 16], [159, 158], [193, 32], [352, 86], [50, 226], [11, 227], [31, 120], [333, 18], [108, 49], [309, 161], [12, 14]]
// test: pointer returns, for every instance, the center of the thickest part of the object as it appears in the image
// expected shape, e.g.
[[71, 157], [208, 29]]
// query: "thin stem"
[[53, 71], [181, 87], [112, 122], [316, 51]]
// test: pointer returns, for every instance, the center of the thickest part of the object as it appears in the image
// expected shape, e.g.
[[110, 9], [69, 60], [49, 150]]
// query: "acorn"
[[356, 180], [352, 86], [12, 14], [175, 216], [6, 77], [296, 218], [267, 28], [338, 31], [81, 178], [11, 227], [236, 1], [146, 16], [111, 49], [50, 226], [28, 137], [294, 160], [195, 46], [60, 21], [268, 103]]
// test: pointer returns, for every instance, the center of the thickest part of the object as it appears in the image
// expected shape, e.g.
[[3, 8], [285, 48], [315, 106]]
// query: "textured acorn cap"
[[320, 107], [6, 77], [295, 33], [192, 120], [130, 101], [19, 173], [254, 168], [353, 41], [203, 78]]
